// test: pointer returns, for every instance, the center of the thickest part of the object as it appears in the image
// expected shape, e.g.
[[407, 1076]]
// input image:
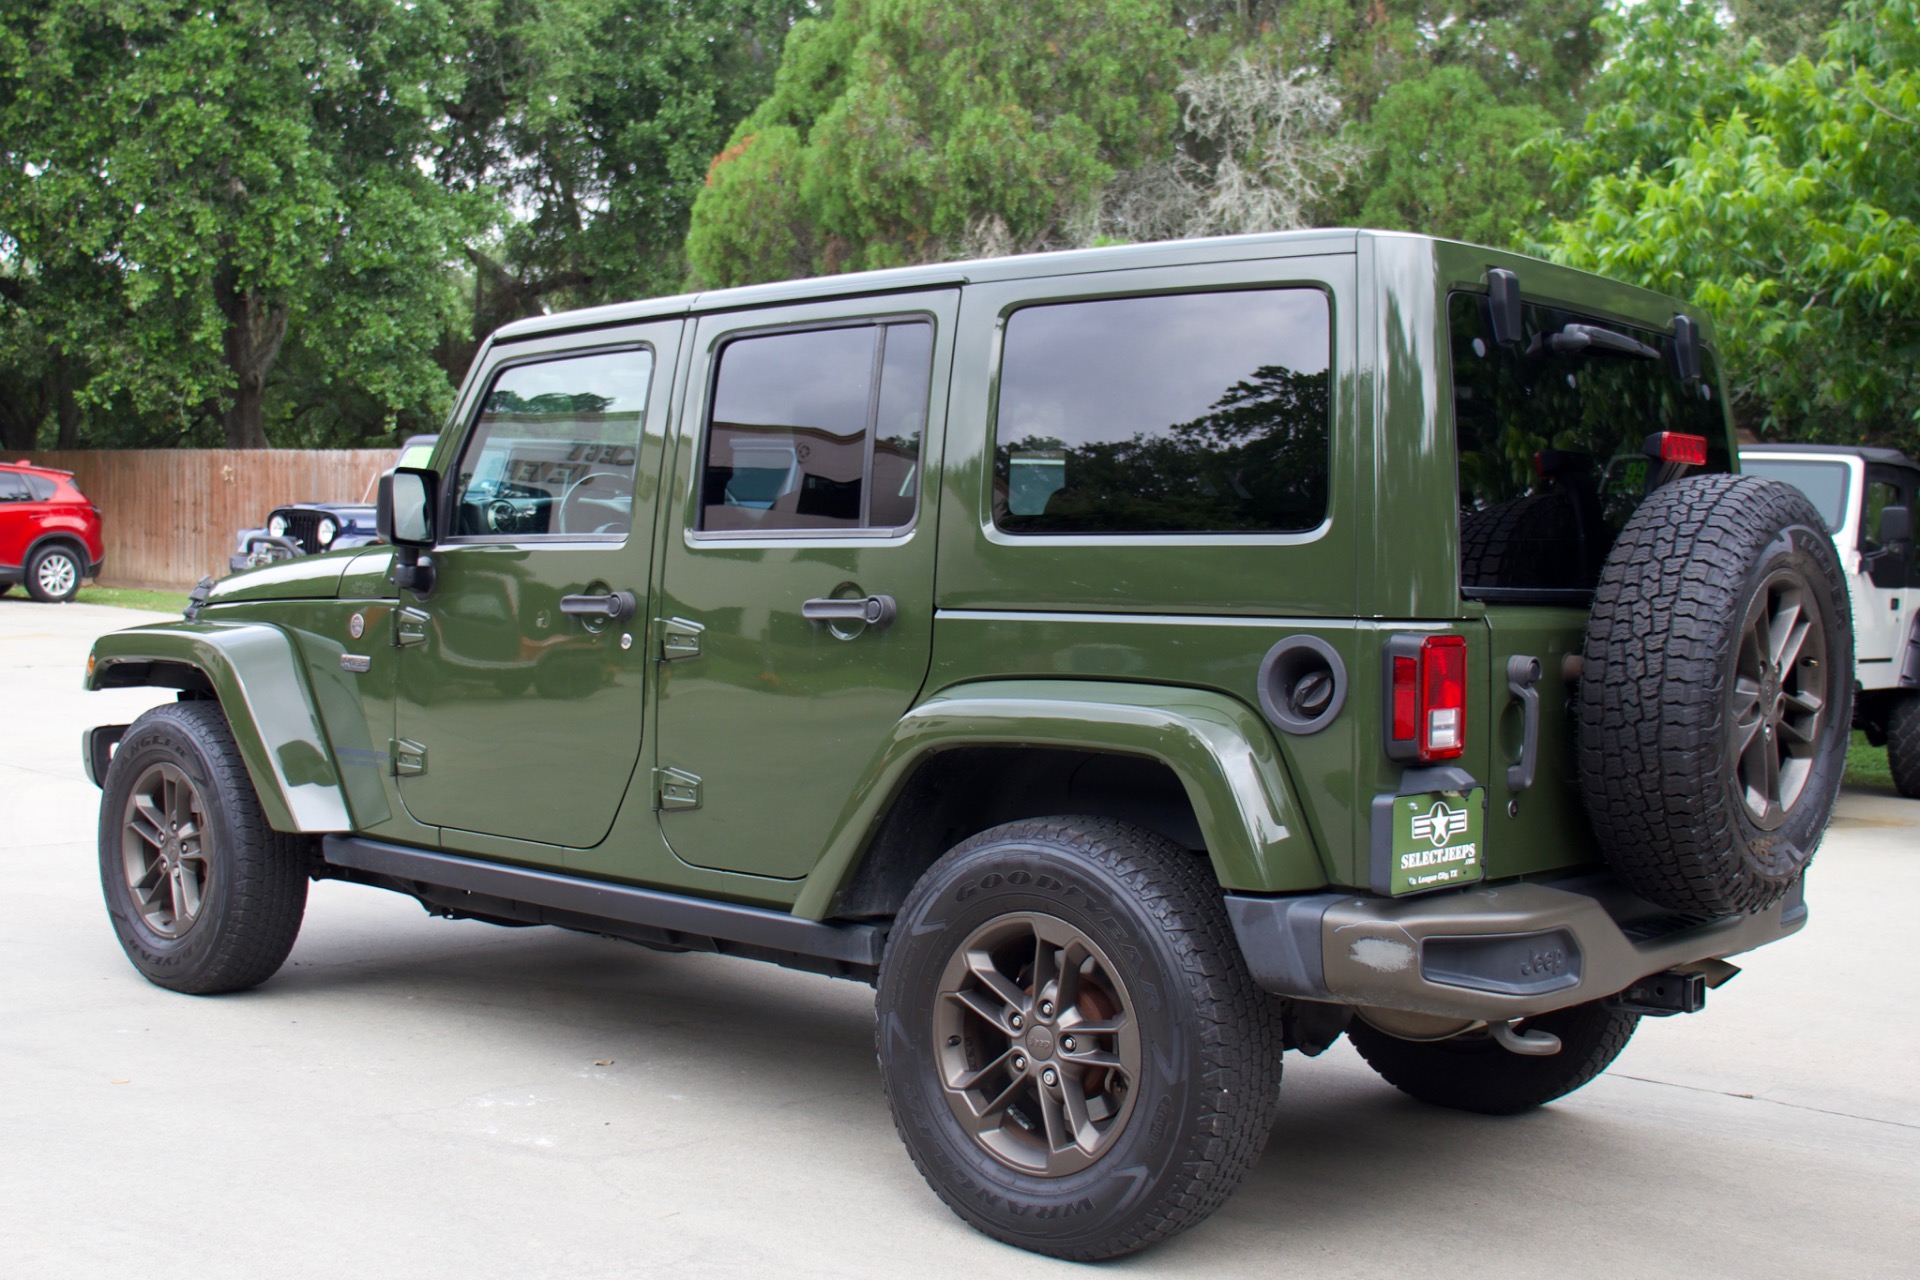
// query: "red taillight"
[[1405, 711], [1426, 698], [1443, 697], [1677, 447]]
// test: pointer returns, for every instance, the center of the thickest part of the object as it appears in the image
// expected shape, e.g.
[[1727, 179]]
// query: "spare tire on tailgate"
[[1716, 694]]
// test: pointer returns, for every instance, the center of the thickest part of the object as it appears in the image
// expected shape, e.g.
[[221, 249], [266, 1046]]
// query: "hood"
[[302, 578]]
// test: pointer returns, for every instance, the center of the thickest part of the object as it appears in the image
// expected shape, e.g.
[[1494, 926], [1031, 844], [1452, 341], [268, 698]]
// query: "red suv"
[[49, 532]]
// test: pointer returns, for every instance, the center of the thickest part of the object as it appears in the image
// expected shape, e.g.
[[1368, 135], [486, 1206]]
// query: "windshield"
[[1553, 442], [1824, 483]]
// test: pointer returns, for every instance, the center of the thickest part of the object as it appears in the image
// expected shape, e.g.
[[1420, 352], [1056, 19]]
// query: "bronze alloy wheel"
[[1777, 708], [1038, 1052], [166, 850]]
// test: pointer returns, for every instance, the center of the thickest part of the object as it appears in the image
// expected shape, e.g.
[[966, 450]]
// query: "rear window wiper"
[[1591, 339]]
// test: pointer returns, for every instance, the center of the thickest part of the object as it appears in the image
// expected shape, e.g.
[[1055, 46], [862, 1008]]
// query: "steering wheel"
[[501, 516], [573, 504]]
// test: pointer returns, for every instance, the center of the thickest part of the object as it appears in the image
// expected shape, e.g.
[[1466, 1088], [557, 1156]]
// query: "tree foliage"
[[182, 186], [900, 130], [1260, 150], [1449, 159], [1781, 196], [593, 123]]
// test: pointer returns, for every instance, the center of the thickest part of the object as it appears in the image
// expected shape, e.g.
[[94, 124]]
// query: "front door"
[[798, 576], [520, 715]]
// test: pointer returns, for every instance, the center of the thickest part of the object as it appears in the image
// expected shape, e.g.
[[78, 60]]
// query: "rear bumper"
[[1492, 953]]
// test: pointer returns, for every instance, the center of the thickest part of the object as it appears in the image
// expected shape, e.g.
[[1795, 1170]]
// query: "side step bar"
[[648, 916]]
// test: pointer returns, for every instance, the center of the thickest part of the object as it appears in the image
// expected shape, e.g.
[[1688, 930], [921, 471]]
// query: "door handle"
[[615, 606], [1523, 673], [874, 611]]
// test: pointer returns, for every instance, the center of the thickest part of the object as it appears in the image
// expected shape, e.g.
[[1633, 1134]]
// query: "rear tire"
[[1903, 745], [1716, 694], [53, 575], [204, 895], [1473, 1073], [1147, 1123]]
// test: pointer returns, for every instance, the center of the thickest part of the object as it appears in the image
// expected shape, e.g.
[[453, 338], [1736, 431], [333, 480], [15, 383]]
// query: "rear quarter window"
[[1179, 413]]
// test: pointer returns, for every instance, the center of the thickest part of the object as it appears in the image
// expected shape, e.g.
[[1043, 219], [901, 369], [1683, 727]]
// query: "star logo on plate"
[[1439, 824]]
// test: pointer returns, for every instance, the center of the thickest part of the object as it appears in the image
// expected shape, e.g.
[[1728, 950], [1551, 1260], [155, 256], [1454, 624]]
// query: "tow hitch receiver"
[[1663, 995]]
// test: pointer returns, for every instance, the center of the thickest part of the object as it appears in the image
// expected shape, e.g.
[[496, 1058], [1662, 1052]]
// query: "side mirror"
[[403, 511], [1896, 525], [403, 515]]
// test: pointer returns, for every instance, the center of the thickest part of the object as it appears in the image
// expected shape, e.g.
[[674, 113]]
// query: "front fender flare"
[[254, 670], [1218, 748]]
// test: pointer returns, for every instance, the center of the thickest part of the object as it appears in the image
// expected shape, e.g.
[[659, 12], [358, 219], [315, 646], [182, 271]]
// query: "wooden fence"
[[170, 515]]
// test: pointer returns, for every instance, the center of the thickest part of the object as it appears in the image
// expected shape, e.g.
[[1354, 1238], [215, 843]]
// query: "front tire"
[[1473, 1073], [53, 575], [1073, 1050], [204, 895]]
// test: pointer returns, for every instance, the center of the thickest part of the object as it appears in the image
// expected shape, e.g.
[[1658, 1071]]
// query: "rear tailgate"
[[1542, 826]]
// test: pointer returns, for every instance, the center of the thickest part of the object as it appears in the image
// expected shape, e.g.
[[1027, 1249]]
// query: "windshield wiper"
[[1591, 339]]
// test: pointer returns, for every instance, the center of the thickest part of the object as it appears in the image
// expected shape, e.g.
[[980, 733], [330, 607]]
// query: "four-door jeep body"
[[1135, 662], [1867, 497]]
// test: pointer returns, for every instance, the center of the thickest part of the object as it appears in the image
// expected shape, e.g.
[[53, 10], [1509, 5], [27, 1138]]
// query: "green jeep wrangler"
[[1134, 662]]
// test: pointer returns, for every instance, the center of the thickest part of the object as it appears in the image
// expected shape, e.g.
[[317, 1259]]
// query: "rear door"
[[16, 508], [797, 599]]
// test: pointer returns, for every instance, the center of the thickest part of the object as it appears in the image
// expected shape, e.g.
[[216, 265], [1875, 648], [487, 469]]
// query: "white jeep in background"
[[1867, 498]]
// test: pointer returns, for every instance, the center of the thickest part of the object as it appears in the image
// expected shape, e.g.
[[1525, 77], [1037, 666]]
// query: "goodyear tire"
[[204, 895], [1072, 1048], [1473, 1073], [1716, 694], [1903, 745]]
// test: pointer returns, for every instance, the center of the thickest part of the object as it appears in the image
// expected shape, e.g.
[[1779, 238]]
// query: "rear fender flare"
[[1219, 749], [254, 671]]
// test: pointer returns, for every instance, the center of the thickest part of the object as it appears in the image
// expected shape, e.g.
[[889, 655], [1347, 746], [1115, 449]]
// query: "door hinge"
[[679, 638], [409, 758], [409, 627], [675, 789]]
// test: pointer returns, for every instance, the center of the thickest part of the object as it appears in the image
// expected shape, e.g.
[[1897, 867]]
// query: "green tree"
[[1448, 159], [1438, 99], [1782, 197], [596, 120], [1786, 28], [219, 176], [905, 131]]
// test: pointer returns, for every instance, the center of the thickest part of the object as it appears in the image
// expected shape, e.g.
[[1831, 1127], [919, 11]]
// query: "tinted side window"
[[818, 429], [1183, 413], [1880, 495], [40, 488], [554, 450], [13, 487]]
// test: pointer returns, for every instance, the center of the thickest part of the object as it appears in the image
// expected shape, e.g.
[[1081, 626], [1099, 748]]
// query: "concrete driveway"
[[418, 1097]]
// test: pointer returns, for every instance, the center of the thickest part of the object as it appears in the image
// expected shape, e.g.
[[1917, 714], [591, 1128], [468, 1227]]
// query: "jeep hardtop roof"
[[1869, 453], [1613, 296]]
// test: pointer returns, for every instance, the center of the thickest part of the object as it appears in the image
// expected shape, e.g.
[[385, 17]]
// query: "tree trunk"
[[255, 329], [67, 409]]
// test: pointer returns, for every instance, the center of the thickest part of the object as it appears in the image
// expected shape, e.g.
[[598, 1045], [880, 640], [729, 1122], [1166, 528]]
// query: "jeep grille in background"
[[1553, 440], [304, 528]]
